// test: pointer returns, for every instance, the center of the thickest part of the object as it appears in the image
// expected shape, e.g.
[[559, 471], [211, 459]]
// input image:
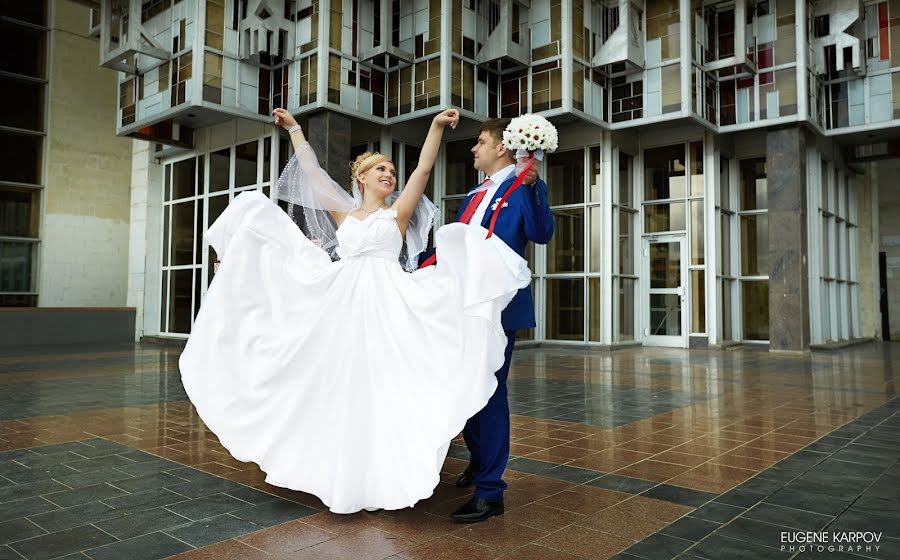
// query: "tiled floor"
[[636, 454]]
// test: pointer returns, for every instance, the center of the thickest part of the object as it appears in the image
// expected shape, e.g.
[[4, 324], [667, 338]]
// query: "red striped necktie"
[[475, 201]]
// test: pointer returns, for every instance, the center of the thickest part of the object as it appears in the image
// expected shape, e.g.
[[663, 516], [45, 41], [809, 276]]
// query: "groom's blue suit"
[[526, 218]]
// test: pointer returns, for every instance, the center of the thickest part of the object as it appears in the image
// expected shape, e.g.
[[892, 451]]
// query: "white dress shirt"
[[496, 180]]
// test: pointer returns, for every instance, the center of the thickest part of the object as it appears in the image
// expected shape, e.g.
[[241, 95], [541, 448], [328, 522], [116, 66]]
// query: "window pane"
[[184, 179], [19, 213], [22, 49], [595, 319], [698, 301], [21, 158], [16, 266], [164, 307], [180, 301], [626, 180], [565, 252], [461, 175], [665, 314], [267, 160], [664, 173], [451, 209], [754, 187], [183, 233], [755, 298], [412, 160], [33, 11], [726, 314], [724, 185], [664, 217], [626, 242], [18, 300], [245, 164], [625, 324], [23, 105], [755, 245], [697, 186], [725, 245], [697, 233], [218, 169], [595, 174], [596, 235], [167, 210], [565, 308], [665, 265], [565, 171]]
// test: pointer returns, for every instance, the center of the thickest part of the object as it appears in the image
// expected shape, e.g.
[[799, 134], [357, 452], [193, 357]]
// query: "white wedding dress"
[[346, 379]]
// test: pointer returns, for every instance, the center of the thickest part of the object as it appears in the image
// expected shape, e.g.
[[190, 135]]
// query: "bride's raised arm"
[[416, 183], [303, 181]]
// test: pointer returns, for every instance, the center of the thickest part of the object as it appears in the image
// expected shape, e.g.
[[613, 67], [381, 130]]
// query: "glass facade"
[[633, 192], [24, 81]]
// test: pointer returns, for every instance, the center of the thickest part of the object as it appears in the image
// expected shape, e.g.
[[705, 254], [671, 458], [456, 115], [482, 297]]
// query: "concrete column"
[[869, 286], [329, 136], [788, 239], [144, 241]]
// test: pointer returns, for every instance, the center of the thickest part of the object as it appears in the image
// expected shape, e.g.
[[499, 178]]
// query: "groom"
[[525, 217]]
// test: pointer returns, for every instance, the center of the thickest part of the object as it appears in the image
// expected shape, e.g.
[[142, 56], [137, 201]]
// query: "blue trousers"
[[487, 436]]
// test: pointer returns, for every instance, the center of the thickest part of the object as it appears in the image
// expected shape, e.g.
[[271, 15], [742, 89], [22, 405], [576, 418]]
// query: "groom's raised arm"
[[539, 224]]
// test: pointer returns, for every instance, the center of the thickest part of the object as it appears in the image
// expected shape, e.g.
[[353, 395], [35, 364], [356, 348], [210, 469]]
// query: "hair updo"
[[365, 162]]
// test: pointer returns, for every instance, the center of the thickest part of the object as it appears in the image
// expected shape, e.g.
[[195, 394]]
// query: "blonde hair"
[[365, 162]]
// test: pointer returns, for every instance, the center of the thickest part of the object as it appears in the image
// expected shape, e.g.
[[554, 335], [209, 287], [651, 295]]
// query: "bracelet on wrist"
[[294, 129]]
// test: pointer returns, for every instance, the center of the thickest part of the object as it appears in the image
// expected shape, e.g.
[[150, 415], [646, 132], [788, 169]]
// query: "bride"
[[348, 378]]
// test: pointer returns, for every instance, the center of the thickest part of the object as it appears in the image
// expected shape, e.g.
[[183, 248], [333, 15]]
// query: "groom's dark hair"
[[495, 127]]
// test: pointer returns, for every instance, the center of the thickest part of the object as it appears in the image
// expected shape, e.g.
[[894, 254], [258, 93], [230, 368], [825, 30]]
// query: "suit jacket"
[[526, 218]]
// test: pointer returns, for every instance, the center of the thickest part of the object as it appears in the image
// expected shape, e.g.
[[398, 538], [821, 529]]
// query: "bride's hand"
[[284, 119], [450, 116]]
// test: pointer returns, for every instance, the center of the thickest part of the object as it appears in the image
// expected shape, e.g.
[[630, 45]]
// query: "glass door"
[[664, 297]]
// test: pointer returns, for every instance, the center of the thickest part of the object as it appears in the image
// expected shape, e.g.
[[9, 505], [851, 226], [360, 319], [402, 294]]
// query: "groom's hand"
[[531, 175]]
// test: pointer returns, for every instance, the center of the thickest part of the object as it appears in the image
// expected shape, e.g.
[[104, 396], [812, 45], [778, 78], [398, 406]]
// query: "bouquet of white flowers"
[[530, 136]]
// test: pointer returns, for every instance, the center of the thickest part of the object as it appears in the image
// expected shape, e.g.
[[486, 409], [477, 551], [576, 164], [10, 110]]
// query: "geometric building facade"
[[711, 184]]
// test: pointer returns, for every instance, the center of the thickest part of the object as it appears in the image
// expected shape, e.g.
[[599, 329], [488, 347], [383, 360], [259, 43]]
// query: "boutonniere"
[[497, 203]]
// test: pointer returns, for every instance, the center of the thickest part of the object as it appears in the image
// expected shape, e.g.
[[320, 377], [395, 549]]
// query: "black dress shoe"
[[466, 478], [476, 510]]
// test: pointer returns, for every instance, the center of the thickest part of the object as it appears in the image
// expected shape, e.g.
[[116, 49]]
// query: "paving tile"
[[717, 547], [690, 528], [24, 508], [212, 530], [807, 501], [287, 538], [226, 550], [584, 542], [718, 512], [659, 547], [75, 516], [87, 465], [146, 547], [251, 495], [750, 530], [147, 500], [29, 490], [273, 512], [679, 495], [207, 506], [148, 482], [80, 480], [788, 517], [443, 548], [83, 495], [622, 483], [133, 523], [18, 529], [61, 543]]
